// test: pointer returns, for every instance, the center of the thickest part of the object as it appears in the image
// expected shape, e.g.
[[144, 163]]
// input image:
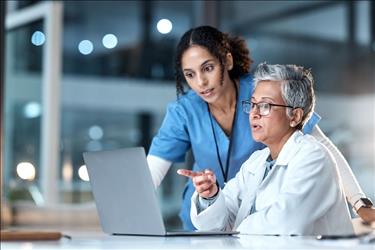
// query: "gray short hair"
[[297, 86]]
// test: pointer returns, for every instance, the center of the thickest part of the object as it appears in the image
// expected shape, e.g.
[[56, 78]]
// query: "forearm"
[[158, 168], [350, 184]]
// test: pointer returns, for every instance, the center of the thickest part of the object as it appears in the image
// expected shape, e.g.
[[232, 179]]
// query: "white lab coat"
[[301, 195]]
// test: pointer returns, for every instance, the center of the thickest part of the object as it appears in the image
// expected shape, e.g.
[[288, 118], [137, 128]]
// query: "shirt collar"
[[289, 149]]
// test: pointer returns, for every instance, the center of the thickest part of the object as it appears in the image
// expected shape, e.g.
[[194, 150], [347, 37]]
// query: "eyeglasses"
[[264, 108]]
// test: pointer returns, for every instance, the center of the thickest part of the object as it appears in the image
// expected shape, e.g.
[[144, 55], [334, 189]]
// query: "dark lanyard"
[[224, 171]]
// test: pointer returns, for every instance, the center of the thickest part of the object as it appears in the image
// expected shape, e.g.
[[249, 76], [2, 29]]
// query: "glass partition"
[[334, 40], [23, 111], [118, 64]]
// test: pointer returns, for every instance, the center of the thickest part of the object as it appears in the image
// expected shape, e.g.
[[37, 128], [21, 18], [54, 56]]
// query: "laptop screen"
[[124, 192]]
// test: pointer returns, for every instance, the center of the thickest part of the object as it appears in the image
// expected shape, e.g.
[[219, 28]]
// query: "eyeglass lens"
[[264, 108]]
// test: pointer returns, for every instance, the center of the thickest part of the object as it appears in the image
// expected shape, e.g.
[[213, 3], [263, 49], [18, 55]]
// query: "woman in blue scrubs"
[[208, 118]]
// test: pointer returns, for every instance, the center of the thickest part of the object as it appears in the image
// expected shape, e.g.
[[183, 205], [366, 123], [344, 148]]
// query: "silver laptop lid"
[[124, 193]]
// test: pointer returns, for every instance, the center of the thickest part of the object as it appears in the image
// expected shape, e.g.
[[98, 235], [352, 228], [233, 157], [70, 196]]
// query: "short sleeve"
[[314, 119], [172, 140]]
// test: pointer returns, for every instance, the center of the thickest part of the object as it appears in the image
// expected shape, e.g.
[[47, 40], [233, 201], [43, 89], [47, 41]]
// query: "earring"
[[292, 125], [230, 67]]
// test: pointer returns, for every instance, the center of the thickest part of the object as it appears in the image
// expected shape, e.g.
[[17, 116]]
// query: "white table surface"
[[98, 240]]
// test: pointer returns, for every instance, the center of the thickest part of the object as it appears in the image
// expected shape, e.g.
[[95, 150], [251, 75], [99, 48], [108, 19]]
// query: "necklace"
[[224, 171]]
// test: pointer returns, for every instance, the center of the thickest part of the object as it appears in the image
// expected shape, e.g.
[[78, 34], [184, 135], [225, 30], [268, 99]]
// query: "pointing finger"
[[188, 173]]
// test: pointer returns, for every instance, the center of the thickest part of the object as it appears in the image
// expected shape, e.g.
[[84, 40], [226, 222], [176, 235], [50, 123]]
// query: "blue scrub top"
[[187, 126]]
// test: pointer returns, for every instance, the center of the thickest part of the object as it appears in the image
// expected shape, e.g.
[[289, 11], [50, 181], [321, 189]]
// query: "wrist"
[[362, 203], [367, 214], [214, 195]]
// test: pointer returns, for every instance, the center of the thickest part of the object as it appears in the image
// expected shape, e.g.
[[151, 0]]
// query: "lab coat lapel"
[[256, 173]]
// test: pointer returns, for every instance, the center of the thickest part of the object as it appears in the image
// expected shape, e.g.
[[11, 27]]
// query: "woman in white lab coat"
[[290, 187]]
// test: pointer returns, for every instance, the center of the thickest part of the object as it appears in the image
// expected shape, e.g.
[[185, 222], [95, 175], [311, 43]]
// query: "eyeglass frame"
[[250, 103]]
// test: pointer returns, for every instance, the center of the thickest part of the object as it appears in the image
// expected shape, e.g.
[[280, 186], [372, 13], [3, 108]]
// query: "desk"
[[96, 240]]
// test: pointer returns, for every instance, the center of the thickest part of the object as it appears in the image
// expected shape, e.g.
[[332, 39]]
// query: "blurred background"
[[97, 75]]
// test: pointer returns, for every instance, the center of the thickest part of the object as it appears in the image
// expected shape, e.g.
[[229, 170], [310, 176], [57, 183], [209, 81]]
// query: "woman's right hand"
[[204, 182]]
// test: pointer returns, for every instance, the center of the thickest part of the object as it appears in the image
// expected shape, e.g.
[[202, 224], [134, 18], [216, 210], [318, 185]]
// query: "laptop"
[[125, 196]]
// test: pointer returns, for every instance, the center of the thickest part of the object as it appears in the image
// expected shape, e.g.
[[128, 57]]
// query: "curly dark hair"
[[218, 44]]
